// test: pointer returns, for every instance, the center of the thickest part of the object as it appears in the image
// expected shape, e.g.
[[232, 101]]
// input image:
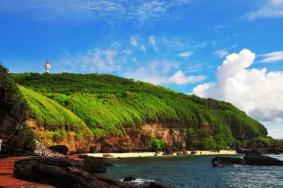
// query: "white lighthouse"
[[47, 66]]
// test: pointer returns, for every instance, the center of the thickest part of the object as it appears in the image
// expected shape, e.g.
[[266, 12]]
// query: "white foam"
[[139, 181]]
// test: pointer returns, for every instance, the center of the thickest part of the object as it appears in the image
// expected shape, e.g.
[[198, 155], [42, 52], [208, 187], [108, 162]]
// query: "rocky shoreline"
[[82, 172], [252, 159]]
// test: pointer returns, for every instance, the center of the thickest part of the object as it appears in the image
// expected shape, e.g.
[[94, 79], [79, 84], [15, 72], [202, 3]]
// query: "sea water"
[[197, 171]]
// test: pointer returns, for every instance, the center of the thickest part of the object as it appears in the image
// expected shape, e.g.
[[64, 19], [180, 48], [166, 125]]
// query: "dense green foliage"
[[157, 144], [11, 100], [53, 116], [109, 104], [262, 142], [16, 136]]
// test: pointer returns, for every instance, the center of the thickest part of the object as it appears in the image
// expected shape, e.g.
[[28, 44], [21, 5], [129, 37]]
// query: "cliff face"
[[139, 140], [132, 140]]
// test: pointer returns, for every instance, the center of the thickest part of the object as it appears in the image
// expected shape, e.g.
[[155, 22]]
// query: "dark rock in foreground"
[[128, 178], [158, 185], [267, 150], [260, 160], [227, 161], [64, 172], [254, 159]]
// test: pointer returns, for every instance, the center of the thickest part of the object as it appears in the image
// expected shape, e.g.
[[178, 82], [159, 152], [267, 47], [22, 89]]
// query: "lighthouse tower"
[[47, 66]]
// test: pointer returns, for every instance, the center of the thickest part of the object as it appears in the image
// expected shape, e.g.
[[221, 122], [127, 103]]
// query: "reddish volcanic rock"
[[7, 178]]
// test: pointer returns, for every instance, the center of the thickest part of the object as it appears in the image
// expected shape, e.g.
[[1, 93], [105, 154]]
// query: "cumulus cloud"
[[180, 78], [186, 54], [256, 91], [272, 9], [221, 53], [200, 90], [272, 57]]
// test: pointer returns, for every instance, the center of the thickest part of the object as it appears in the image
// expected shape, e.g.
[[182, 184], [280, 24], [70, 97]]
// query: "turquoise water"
[[197, 171]]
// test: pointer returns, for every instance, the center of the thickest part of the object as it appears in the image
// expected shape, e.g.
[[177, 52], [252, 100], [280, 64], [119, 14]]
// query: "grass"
[[51, 115], [107, 105]]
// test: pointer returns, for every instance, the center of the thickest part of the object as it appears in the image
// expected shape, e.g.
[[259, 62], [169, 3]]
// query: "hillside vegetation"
[[53, 116], [15, 135], [108, 105]]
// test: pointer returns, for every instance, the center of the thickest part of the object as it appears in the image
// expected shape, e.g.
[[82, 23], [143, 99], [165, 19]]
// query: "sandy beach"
[[152, 154]]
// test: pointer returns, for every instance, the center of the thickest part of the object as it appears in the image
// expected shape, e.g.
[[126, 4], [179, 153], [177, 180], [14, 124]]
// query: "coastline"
[[153, 154]]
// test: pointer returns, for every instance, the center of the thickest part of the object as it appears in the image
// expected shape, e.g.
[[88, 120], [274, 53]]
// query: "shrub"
[[59, 135], [157, 144]]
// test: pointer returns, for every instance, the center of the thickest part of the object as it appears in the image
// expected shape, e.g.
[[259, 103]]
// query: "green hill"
[[104, 105]]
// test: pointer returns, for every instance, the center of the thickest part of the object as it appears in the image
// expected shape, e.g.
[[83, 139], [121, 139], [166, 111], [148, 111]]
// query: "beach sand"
[[152, 154]]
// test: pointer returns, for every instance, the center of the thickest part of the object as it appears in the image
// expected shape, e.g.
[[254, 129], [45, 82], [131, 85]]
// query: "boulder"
[[128, 178], [227, 161], [260, 160], [60, 149], [249, 159], [42, 151], [63, 172], [158, 185], [95, 164], [240, 150]]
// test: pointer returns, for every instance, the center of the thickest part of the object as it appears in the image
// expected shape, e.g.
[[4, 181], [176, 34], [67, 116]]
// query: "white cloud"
[[158, 8], [275, 128], [126, 59], [217, 28], [200, 90], [134, 42], [221, 53], [152, 9], [158, 72], [272, 57], [272, 9], [186, 54], [127, 52], [180, 78], [84, 10], [143, 74], [97, 60], [143, 48], [256, 91], [152, 42], [154, 71]]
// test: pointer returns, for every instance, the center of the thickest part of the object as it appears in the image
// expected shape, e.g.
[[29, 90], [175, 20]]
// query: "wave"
[[139, 181]]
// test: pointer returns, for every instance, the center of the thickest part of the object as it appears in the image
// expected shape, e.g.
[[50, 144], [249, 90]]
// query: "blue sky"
[[175, 43]]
